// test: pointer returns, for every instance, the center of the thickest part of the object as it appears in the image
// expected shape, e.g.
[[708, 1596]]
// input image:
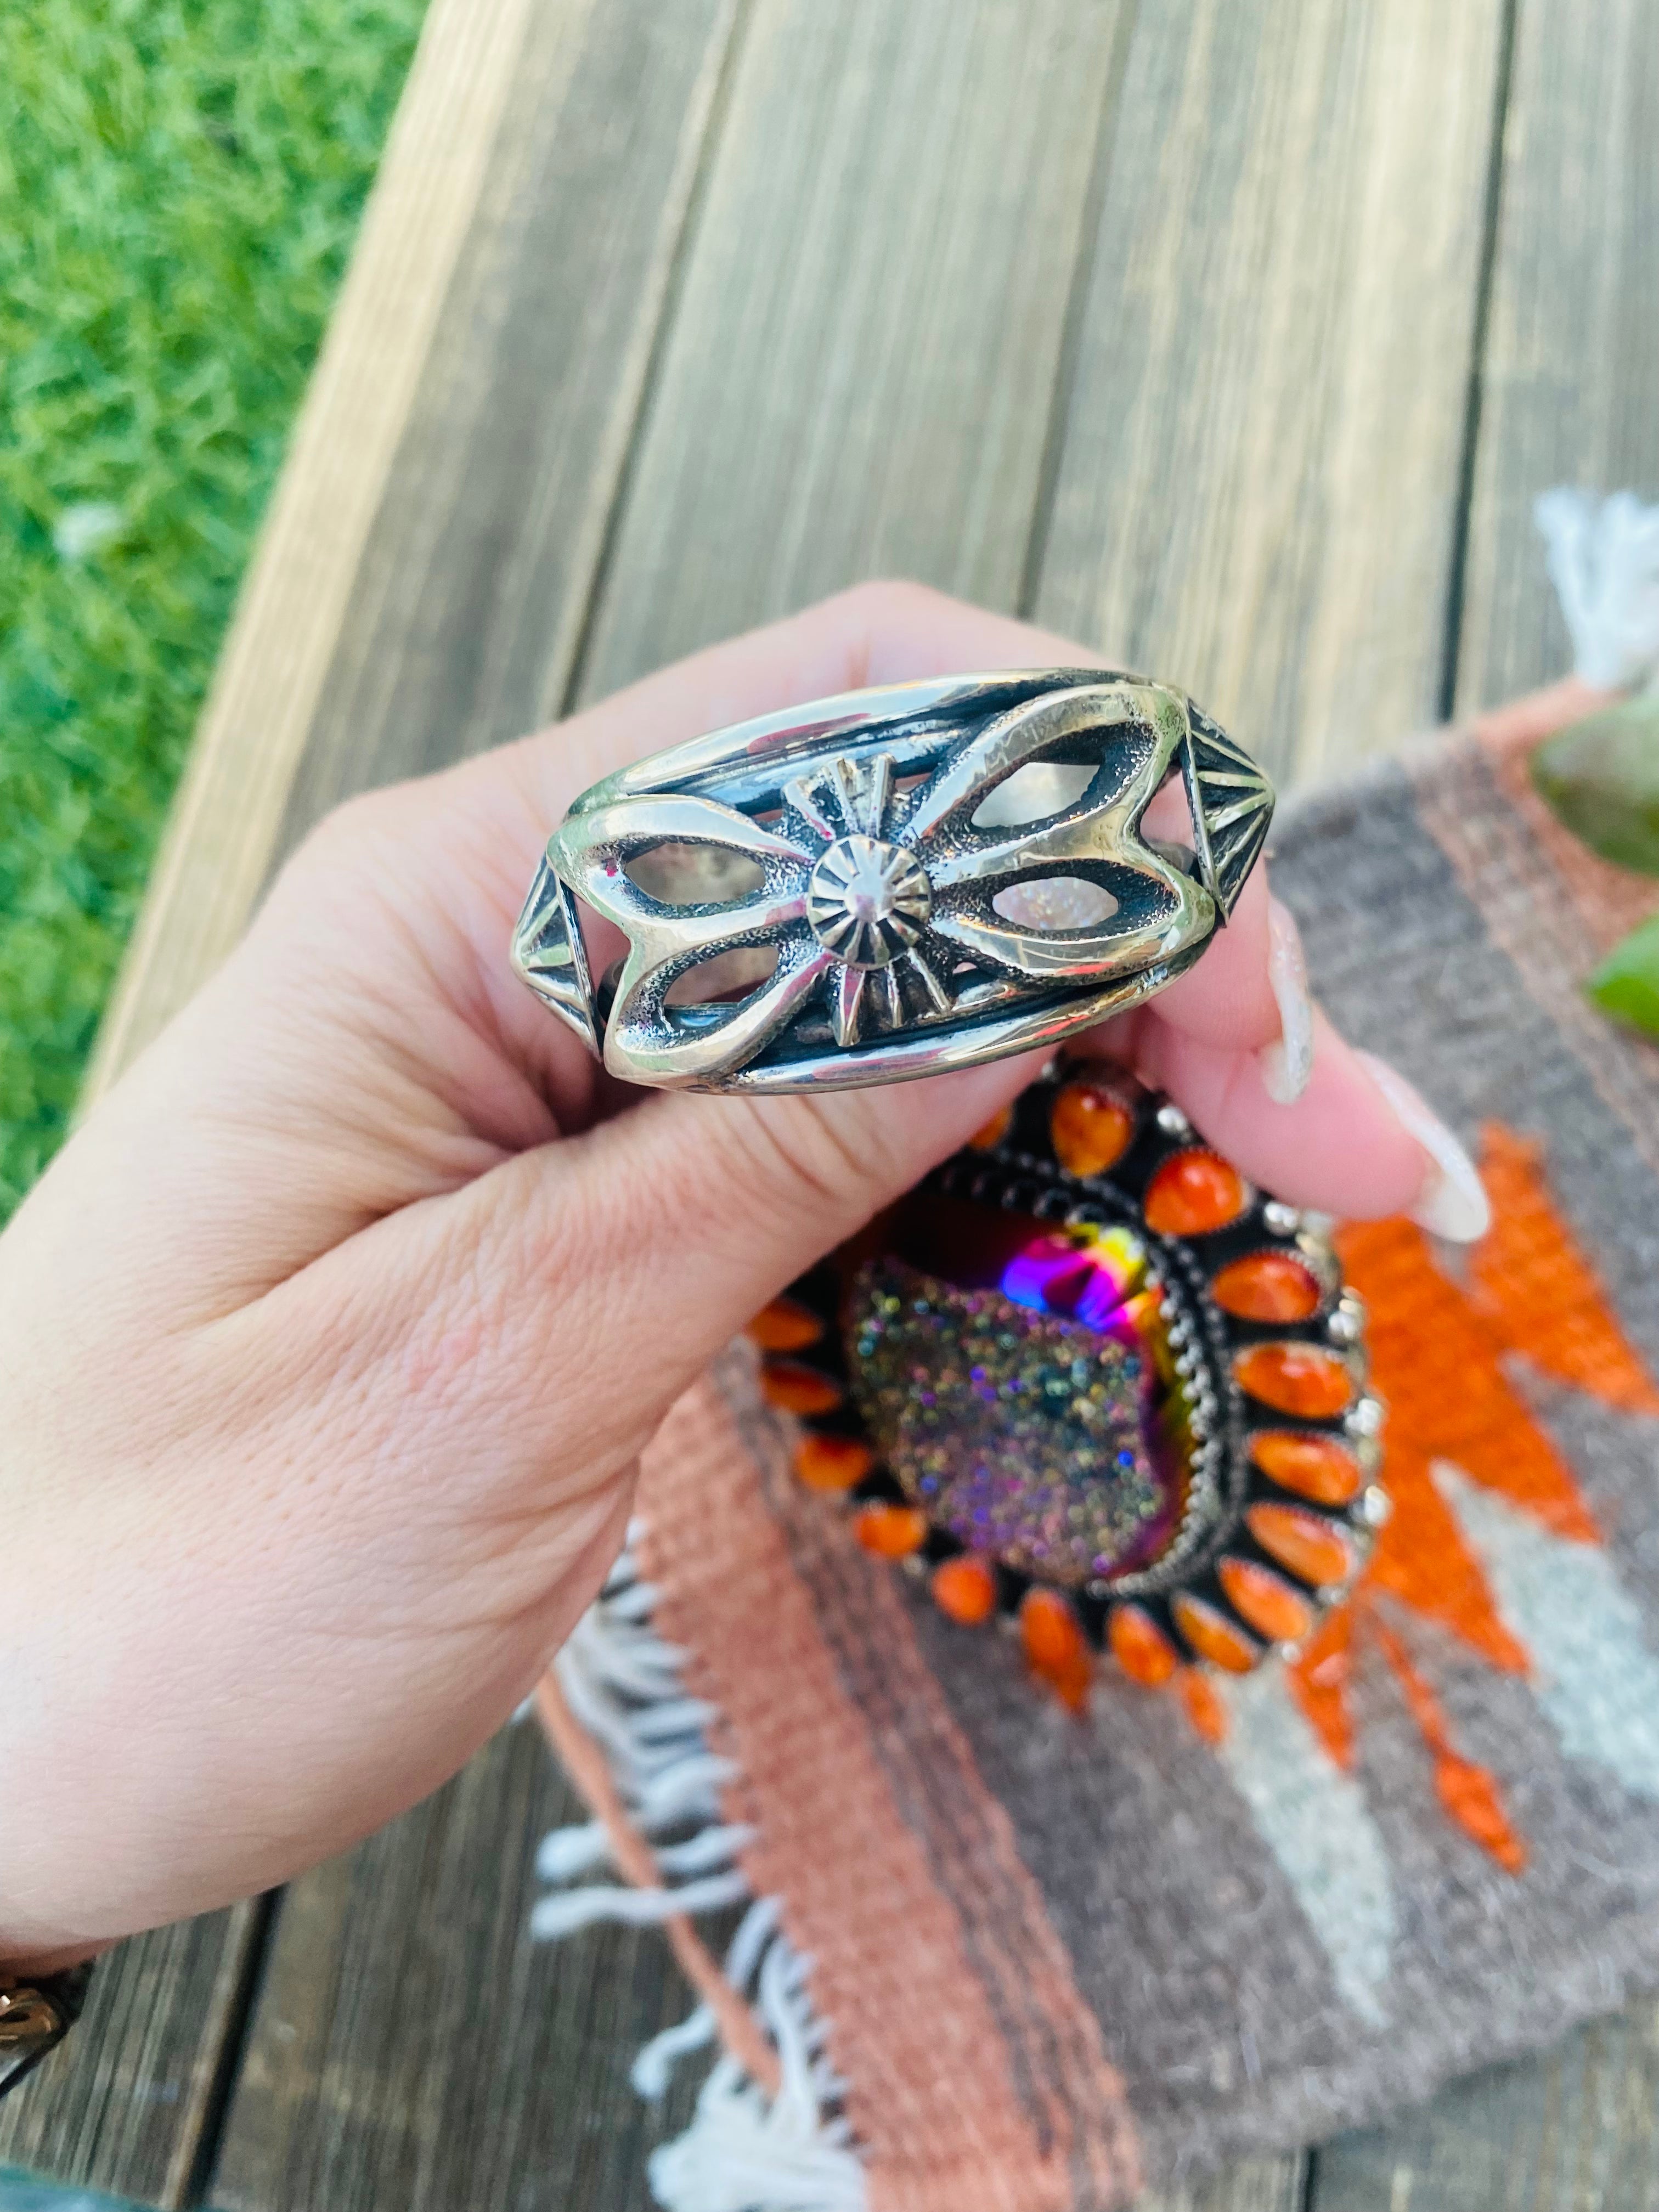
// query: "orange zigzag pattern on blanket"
[[1530, 1276], [1437, 1356]]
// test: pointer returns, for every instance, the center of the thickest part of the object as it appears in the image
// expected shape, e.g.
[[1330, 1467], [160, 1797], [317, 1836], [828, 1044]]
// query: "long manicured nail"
[[1287, 1063], [1453, 1202]]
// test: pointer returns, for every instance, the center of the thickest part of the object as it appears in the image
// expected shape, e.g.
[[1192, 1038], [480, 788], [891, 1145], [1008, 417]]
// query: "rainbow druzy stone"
[[1018, 1380]]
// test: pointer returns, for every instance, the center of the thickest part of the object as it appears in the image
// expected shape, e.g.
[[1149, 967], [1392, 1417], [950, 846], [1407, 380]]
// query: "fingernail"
[[1287, 1063], [1453, 1202]]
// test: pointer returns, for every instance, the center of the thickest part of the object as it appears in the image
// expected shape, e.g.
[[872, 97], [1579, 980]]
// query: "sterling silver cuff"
[[892, 882]]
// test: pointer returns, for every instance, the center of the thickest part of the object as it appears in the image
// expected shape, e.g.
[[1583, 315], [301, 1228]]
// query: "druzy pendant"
[[1085, 1376], [1018, 1382]]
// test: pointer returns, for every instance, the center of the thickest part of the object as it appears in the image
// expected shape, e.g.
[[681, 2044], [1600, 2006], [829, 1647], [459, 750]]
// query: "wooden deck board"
[[1569, 381], [1569, 392], [1253, 2185], [464, 617], [413, 2050], [294, 602], [336, 2068], [1258, 482], [859, 376], [1577, 2132], [1161, 321], [127, 2105]]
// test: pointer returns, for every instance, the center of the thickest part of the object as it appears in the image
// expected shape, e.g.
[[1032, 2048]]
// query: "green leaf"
[[1600, 777], [1627, 984]]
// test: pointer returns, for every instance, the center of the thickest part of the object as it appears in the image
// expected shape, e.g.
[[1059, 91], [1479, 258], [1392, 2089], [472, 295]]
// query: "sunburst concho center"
[[868, 900]]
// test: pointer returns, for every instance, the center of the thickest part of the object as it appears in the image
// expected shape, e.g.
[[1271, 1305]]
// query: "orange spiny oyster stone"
[[1272, 1608], [1308, 1544], [832, 1462], [1313, 1466], [891, 1532], [1268, 1286], [1296, 1378], [798, 1388], [1055, 1646], [1090, 1127], [1212, 1635], [1051, 1631], [986, 1139], [965, 1591], [1193, 1193], [1140, 1645], [786, 1325]]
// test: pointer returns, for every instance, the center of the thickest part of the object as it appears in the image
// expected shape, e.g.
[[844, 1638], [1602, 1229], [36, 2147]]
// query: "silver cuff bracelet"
[[892, 882]]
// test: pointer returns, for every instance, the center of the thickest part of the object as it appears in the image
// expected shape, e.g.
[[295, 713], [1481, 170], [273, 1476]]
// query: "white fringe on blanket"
[[744, 2151], [1603, 557]]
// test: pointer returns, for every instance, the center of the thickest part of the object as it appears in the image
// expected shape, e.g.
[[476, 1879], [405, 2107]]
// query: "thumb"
[[654, 1238]]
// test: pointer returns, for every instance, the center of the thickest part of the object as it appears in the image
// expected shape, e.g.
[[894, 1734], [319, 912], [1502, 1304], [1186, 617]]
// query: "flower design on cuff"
[[862, 895]]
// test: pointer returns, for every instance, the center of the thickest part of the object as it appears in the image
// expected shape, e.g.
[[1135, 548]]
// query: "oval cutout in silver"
[[695, 875], [1049, 904], [1032, 793], [726, 978]]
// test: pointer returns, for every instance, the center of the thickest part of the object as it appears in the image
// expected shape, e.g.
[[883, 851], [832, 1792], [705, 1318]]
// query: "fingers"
[[1359, 1142], [1226, 999], [878, 632], [1234, 1040], [875, 633], [680, 1221], [1339, 1147], [496, 812], [1238, 1043]]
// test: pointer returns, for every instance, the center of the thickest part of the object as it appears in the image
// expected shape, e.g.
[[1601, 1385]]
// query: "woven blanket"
[[1054, 1958]]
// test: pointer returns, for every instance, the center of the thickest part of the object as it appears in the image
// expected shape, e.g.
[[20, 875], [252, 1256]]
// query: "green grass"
[[179, 184]]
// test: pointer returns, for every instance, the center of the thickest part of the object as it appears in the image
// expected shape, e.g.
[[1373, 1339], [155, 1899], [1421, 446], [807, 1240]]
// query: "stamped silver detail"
[[896, 904], [868, 900]]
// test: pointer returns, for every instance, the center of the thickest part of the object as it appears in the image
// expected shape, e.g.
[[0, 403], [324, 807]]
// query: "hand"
[[329, 1343]]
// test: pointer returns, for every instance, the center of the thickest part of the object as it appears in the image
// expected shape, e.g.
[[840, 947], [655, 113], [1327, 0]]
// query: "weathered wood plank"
[[872, 312], [1568, 393], [124, 2106], [288, 618], [1569, 383], [467, 421], [505, 103], [1577, 2132], [461, 621], [1255, 2184], [859, 375], [341, 2099], [1258, 482], [413, 2048]]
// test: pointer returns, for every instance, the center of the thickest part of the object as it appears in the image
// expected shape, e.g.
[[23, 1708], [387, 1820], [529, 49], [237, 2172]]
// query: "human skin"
[[329, 1341]]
